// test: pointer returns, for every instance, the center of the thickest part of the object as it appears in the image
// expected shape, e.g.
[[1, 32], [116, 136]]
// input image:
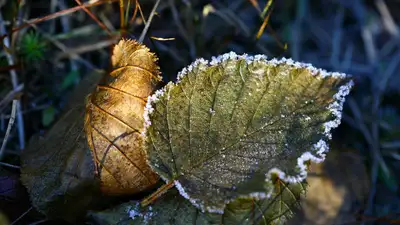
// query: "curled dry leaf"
[[114, 120]]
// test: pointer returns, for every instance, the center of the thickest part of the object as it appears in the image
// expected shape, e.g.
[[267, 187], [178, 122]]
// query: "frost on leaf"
[[229, 124], [172, 208]]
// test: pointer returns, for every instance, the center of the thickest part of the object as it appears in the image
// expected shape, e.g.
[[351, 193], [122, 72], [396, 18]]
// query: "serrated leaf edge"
[[320, 148]]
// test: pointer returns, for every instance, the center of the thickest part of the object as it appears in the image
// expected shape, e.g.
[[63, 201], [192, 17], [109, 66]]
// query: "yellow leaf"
[[114, 120]]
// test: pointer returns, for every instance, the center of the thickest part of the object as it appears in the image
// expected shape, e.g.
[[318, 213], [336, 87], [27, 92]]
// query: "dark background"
[[358, 184]]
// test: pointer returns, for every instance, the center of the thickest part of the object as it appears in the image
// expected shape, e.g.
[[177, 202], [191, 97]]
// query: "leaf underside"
[[224, 126], [174, 209], [58, 170]]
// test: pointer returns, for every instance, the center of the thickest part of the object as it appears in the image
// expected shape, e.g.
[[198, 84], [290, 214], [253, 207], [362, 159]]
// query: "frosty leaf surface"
[[174, 209], [227, 124], [57, 169]]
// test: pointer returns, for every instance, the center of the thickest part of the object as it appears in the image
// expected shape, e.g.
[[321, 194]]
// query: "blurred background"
[[49, 46]]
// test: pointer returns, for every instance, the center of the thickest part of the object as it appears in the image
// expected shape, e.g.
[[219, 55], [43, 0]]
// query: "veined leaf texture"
[[172, 208], [114, 120], [231, 123], [57, 169], [234, 135]]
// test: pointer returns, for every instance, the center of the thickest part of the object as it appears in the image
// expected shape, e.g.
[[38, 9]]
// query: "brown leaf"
[[114, 120]]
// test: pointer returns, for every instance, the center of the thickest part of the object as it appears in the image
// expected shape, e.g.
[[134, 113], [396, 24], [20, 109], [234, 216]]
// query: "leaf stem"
[[148, 200]]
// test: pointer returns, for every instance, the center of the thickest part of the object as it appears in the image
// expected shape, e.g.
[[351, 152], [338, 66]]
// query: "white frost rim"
[[320, 148]]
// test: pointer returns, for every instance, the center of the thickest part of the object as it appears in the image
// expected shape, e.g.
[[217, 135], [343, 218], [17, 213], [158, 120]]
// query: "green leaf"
[[388, 179], [58, 170], [48, 116], [69, 80], [174, 209], [32, 46], [228, 124]]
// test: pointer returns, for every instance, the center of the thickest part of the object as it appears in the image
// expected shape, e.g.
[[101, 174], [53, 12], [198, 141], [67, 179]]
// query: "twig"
[[55, 15], [34, 109], [66, 28], [146, 28], [369, 43], [337, 37], [14, 80], [107, 22], [21, 216], [297, 35], [10, 96], [93, 17], [181, 29], [86, 48], [65, 49], [39, 222], [264, 24], [9, 165], [388, 21], [391, 70], [372, 192], [134, 12], [10, 124], [255, 5]]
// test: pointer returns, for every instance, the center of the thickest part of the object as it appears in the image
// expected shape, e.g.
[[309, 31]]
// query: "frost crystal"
[[148, 109], [336, 108], [257, 58], [133, 213], [320, 148], [184, 194], [258, 195], [317, 154], [212, 111], [190, 68]]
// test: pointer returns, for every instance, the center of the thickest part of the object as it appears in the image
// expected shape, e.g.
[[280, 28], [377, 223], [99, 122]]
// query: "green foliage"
[[32, 47], [174, 209], [48, 116], [228, 123], [69, 80]]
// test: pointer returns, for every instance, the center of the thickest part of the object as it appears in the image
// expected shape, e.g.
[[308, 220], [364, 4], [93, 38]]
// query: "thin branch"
[[21, 216], [134, 13], [14, 80], [93, 17], [86, 48], [64, 48], [146, 28], [387, 18], [56, 15], [10, 124], [9, 165], [10, 96]]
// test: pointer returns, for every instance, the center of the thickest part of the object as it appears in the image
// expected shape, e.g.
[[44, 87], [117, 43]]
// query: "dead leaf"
[[57, 169], [114, 120]]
